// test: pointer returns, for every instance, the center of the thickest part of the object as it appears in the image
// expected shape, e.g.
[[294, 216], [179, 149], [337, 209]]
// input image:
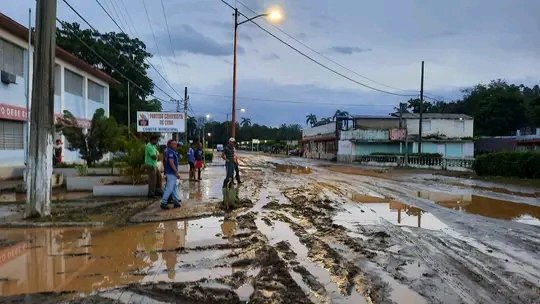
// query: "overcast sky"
[[463, 42]]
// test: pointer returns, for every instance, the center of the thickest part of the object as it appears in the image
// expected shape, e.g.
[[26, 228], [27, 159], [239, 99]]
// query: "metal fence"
[[427, 162]]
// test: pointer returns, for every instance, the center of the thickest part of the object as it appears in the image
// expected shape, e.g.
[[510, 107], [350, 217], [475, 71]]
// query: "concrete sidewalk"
[[199, 198]]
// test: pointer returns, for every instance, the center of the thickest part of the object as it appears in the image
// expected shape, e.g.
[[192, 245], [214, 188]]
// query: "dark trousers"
[[237, 171], [154, 181], [229, 168]]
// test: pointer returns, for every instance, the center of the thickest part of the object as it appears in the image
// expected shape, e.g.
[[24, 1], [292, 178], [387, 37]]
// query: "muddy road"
[[313, 232]]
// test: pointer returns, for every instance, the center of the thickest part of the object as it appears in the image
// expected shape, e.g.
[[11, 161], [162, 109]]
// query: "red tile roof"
[[21, 31]]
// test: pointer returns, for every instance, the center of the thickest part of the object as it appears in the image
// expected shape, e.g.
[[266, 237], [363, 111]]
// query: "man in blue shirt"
[[170, 163]]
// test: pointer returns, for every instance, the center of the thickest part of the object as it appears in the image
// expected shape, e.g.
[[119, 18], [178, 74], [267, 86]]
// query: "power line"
[[155, 40], [317, 62], [170, 37], [112, 66], [124, 7], [120, 28], [324, 56], [294, 101], [94, 29]]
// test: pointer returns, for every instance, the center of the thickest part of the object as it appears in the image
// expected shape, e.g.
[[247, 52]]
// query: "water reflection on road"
[[485, 206], [85, 259]]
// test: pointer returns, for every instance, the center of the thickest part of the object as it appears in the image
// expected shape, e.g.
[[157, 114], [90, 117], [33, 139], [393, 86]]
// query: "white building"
[[79, 88], [448, 134]]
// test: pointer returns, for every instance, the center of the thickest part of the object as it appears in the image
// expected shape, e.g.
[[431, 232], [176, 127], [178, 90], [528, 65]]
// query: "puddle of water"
[[88, 259], [200, 191], [480, 205], [293, 169], [414, 270], [399, 293], [392, 211], [245, 291], [280, 231]]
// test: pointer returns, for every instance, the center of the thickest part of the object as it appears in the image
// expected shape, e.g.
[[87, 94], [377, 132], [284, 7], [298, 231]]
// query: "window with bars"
[[73, 83], [11, 135], [11, 58], [96, 92]]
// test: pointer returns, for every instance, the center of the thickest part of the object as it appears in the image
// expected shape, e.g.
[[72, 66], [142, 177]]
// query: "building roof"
[[436, 116], [373, 117], [21, 31]]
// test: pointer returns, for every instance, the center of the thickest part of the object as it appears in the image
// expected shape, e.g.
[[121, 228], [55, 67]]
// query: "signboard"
[[255, 141], [398, 134], [157, 122], [12, 112]]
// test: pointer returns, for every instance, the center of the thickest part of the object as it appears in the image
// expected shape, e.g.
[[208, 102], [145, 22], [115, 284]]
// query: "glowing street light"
[[273, 15]]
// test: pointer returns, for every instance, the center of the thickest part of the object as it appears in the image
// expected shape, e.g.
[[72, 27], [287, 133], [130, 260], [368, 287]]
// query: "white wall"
[[324, 129], [446, 127], [81, 107]]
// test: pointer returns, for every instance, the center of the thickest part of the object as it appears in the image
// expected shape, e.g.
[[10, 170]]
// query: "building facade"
[[369, 135], [79, 88], [450, 135], [320, 142]]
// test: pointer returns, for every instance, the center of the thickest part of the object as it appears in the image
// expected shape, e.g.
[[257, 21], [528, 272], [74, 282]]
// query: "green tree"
[[246, 122], [126, 54], [104, 136], [311, 119], [340, 113]]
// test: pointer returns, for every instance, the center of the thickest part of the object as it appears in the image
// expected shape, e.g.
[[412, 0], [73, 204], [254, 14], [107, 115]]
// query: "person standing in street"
[[199, 154], [228, 156], [236, 168], [191, 161], [170, 163], [151, 154]]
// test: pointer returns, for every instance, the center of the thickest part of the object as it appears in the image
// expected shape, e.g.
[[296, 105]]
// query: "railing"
[[428, 162]]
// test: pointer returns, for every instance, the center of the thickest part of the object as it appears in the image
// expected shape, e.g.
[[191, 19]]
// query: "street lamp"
[[234, 119], [274, 15]]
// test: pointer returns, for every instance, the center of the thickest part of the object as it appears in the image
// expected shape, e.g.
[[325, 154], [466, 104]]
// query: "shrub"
[[182, 153], [104, 136], [410, 154], [208, 156], [134, 158], [515, 164]]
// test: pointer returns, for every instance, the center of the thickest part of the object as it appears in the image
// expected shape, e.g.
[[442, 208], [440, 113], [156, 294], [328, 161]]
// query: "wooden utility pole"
[[38, 184], [186, 98], [233, 110], [421, 110]]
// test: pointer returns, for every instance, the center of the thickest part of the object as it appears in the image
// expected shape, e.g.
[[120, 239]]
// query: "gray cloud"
[[347, 50], [271, 57], [186, 39], [301, 35]]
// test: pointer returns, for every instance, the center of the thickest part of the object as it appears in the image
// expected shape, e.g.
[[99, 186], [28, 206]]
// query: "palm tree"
[[311, 119], [246, 122], [326, 120], [340, 113]]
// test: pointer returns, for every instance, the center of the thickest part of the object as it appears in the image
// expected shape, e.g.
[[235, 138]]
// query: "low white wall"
[[87, 183], [120, 190]]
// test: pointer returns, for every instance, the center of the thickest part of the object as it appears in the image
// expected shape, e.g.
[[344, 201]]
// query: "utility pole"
[[402, 107], [28, 93], [38, 184], [421, 110], [233, 112], [186, 98], [128, 110]]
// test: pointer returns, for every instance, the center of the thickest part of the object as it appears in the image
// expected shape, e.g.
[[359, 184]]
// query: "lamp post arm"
[[252, 18]]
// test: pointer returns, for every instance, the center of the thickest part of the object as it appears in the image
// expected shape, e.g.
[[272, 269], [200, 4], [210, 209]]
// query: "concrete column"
[[85, 97]]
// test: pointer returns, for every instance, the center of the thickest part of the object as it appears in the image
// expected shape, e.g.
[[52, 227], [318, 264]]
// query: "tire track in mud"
[[464, 273]]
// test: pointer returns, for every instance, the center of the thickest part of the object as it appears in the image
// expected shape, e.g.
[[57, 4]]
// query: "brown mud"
[[306, 232]]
